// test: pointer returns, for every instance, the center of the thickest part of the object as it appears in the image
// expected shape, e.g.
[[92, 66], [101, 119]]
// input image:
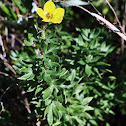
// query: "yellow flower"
[[50, 13]]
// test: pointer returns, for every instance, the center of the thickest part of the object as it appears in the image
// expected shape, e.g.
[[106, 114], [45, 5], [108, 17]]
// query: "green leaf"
[[31, 37], [60, 106], [18, 4], [47, 77], [64, 73], [39, 89], [25, 77], [112, 78], [31, 89], [47, 102], [102, 64], [45, 47], [49, 63], [77, 107], [81, 122], [103, 85], [5, 10], [88, 108], [54, 64], [78, 89], [72, 75], [88, 70], [81, 62], [49, 113], [39, 103], [13, 13], [27, 43], [96, 70], [93, 122], [107, 124], [34, 102], [110, 111], [85, 33], [80, 40], [108, 70], [48, 93], [50, 116], [57, 123], [86, 100], [47, 110], [31, 77], [14, 54], [87, 115], [55, 111], [95, 59], [26, 70], [97, 112], [94, 34]]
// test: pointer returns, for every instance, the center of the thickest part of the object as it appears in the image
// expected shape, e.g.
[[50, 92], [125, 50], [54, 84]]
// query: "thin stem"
[[115, 16], [98, 17], [74, 6], [95, 8], [2, 107], [5, 92]]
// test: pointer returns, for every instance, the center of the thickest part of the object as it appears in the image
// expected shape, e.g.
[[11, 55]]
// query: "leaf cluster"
[[65, 73]]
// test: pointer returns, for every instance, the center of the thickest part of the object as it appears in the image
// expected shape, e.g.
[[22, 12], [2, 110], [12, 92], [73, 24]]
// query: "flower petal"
[[49, 7], [58, 15], [46, 20], [40, 12]]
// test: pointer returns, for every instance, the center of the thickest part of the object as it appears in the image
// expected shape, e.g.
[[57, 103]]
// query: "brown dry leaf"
[[6, 48], [5, 61], [10, 67]]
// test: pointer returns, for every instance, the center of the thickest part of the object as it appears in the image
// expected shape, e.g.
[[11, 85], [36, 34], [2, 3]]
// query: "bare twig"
[[5, 61], [3, 49], [5, 74], [6, 33], [116, 5], [2, 108], [12, 40], [27, 106], [113, 11], [106, 22], [38, 123], [123, 26], [25, 102], [116, 17], [5, 92], [20, 41], [95, 8], [74, 5]]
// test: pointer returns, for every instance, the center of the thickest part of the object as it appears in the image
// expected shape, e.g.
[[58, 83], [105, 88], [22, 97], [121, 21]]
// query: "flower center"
[[49, 16]]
